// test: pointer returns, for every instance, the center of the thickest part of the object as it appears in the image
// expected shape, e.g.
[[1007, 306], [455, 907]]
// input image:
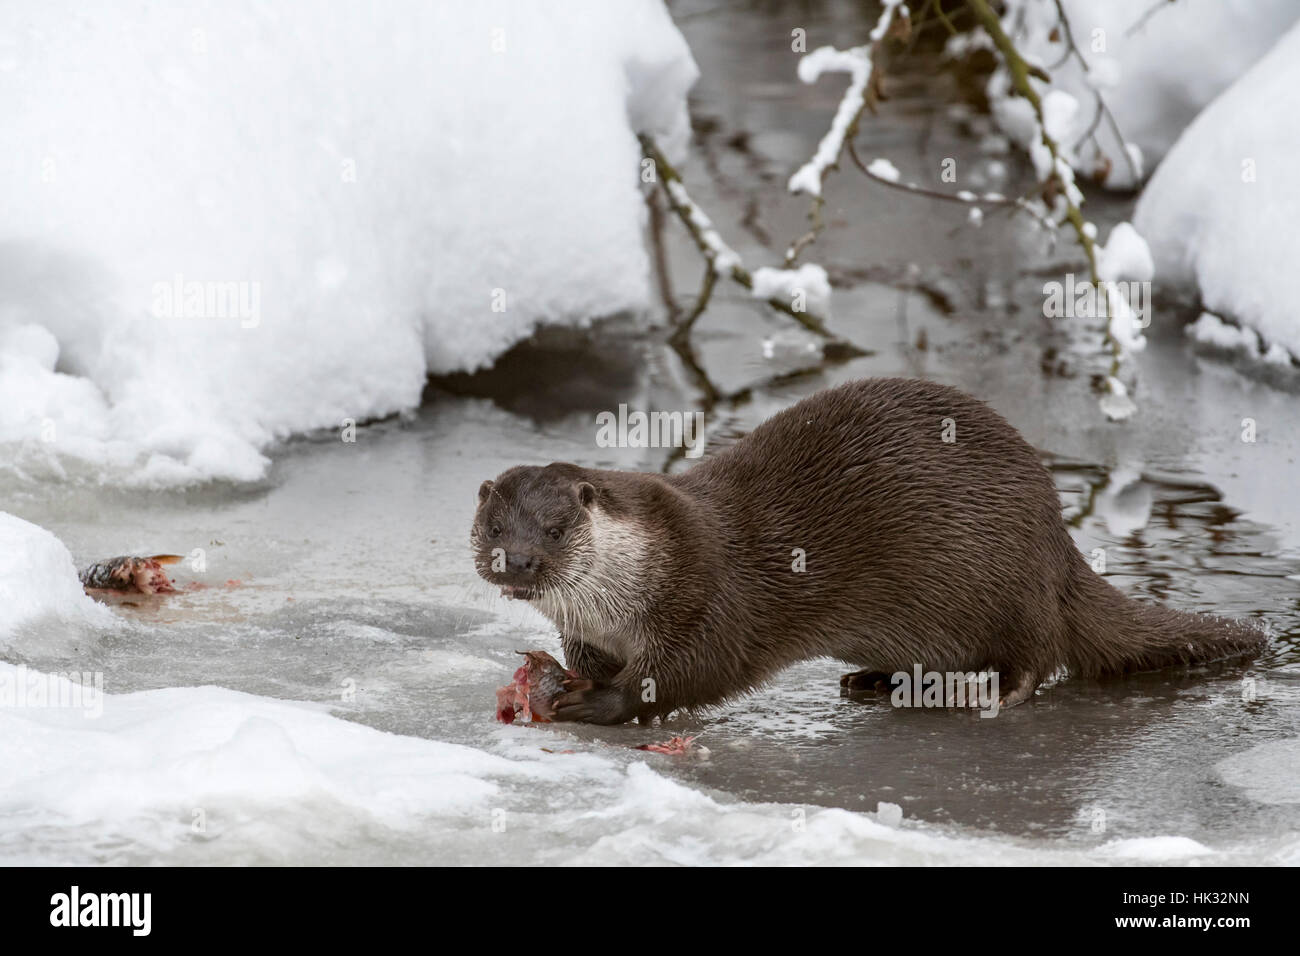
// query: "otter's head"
[[532, 532]]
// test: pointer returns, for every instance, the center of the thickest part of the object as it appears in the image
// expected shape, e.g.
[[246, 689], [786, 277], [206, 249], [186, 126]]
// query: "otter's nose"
[[523, 563]]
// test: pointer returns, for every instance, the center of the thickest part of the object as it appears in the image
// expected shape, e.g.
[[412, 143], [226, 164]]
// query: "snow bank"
[[1220, 212], [1155, 849], [213, 776], [238, 221], [160, 768], [1211, 331], [38, 582], [1154, 75]]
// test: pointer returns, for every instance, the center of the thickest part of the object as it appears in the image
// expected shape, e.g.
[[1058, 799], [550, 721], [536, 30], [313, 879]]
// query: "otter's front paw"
[[584, 700]]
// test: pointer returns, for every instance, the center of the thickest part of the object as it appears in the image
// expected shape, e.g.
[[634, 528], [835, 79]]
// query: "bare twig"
[[1151, 11], [1011, 203], [919, 22], [660, 253], [681, 345], [682, 329], [938, 11], [795, 248]]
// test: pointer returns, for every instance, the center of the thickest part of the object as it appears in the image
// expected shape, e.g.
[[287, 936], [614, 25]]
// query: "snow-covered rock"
[[1220, 213], [237, 221], [38, 582]]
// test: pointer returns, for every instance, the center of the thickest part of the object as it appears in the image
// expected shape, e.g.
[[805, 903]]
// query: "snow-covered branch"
[[721, 259], [1051, 114], [859, 63]]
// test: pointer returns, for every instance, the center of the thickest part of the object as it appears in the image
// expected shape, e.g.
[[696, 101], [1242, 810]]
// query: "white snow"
[[1104, 73], [38, 582], [1209, 329], [345, 203], [1220, 212], [1277, 355], [890, 814], [1137, 164], [213, 776], [1124, 324], [791, 345], [1126, 255], [1152, 849], [1115, 404], [1125, 269], [809, 286], [156, 762], [1212, 331], [884, 169], [1154, 78], [1060, 110]]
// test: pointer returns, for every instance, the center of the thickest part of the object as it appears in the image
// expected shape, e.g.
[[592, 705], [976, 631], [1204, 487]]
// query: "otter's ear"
[[484, 490], [586, 493]]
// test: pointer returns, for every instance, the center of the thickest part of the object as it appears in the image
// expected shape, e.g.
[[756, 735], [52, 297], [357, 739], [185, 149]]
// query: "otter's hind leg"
[[865, 679], [1025, 683]]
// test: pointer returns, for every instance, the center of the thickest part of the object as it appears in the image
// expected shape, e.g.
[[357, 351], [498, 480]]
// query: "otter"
[[885, 523]]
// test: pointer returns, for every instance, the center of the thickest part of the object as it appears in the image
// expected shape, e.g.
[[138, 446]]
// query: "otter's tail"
[[1114, 634]]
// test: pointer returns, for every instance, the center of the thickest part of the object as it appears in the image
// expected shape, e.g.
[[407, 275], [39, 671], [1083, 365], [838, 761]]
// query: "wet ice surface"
[[355, 591], [350, 586]]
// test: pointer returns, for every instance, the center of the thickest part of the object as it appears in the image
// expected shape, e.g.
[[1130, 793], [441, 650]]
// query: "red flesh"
[[532, 693], [674, 747]]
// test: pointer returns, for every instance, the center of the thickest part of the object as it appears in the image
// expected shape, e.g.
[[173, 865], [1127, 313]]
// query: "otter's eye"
[[494, 531], [555, 533]]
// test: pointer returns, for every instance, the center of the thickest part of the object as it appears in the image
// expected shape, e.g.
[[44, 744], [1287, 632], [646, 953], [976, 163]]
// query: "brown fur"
[[953, 556]]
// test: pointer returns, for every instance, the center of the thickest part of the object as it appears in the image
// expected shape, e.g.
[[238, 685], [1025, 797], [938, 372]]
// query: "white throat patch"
[[594, 602]]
